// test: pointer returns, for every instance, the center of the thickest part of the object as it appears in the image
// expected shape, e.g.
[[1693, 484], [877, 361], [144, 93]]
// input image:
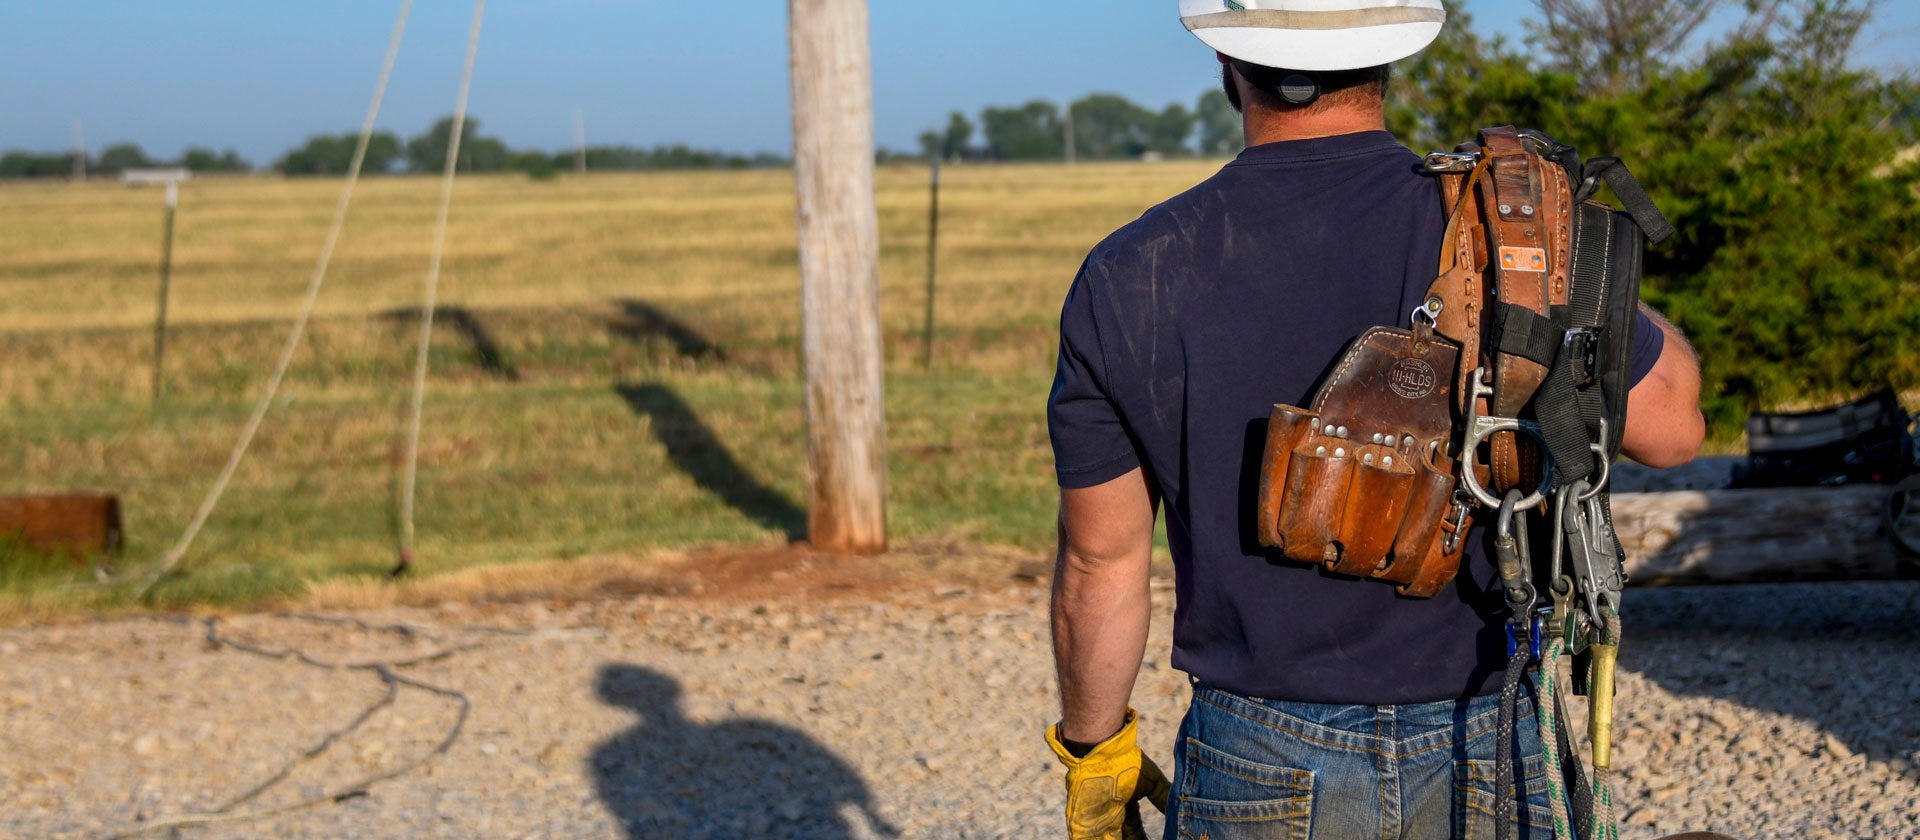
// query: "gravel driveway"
[[912, 709]]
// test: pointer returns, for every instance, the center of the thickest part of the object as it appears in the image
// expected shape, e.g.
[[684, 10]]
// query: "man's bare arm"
[[1664, 425], [1100, 603]]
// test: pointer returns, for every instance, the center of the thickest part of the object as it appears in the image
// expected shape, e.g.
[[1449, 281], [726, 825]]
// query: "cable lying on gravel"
[[385, 670]]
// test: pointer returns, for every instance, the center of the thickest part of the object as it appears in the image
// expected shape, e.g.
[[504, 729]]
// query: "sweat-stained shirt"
[[1181, 332]]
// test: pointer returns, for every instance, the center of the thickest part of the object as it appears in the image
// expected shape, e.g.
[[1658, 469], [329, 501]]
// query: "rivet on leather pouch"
[[1286, 426], [1376, 503], [1315, 500]]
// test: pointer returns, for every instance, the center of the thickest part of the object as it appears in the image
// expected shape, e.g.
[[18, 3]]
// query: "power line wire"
[[173, 556], [409, 482]]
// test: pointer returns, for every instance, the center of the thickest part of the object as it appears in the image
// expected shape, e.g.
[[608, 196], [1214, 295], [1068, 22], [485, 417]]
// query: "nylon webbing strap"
[[1525, 333], [1632, 198]]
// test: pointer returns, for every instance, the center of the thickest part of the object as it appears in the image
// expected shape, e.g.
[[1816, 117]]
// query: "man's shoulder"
[[1165, 235]]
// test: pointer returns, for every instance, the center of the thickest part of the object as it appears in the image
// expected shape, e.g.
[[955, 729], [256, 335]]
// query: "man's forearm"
[[1100, 616]]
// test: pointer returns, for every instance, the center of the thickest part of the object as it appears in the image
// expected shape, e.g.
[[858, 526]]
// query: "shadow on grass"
[[641, 322], [672, 777], [692, 447], [485, 350]]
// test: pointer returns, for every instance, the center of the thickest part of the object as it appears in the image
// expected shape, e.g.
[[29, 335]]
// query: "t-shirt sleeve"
[[1091, 444], [1648, 342]]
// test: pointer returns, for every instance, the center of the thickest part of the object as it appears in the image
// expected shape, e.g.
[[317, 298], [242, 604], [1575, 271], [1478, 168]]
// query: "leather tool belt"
[[1366, 481], [1362, 481]]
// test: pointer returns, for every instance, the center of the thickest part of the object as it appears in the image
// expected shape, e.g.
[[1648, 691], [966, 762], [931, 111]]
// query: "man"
[[1321, 704]]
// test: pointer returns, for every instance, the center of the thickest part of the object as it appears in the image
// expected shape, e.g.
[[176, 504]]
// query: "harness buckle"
[[1582, 346], [1479, 428]]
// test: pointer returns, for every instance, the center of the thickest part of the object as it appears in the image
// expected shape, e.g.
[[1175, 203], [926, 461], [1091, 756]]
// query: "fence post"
[[166, 281], [933, 262]]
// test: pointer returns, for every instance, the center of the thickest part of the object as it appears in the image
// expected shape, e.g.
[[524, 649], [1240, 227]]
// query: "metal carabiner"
[[1595, 558], [1508, 557], [1448, 162], [1479, 428]]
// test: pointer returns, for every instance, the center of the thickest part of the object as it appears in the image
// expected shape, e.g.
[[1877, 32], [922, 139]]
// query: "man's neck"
[[1264, 125]]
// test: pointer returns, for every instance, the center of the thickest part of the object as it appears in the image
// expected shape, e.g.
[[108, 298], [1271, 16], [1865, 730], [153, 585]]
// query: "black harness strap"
[[1633, 199]]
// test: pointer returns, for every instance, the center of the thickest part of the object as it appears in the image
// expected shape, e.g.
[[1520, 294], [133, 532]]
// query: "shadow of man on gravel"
[[671, 777]]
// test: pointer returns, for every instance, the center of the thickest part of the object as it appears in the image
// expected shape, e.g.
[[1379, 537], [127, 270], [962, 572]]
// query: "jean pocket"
[[1225, 797], [1477, 809]]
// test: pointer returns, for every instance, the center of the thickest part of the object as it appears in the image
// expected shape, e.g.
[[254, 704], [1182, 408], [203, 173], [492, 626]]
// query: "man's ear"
[[1223, 57]]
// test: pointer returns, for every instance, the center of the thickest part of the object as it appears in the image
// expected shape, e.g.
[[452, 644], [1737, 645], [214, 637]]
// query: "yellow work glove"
[[1105, 787]]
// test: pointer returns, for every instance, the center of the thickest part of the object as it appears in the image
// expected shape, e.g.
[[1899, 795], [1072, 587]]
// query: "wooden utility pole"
[[839, 275]]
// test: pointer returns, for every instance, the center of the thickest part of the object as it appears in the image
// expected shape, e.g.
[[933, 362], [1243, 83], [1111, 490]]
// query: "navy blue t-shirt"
[[1182, 331]]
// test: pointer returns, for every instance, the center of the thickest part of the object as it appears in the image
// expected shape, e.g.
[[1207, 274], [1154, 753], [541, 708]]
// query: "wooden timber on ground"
[[1708, 533], [76, 524]]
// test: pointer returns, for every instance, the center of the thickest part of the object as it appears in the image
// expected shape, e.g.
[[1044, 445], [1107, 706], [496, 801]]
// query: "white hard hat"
[[1315, 34]]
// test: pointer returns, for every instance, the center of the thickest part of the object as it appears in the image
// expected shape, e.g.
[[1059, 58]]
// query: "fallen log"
[[1714, 535]]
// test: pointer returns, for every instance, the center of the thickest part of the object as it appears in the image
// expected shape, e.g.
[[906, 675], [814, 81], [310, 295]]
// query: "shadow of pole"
[[672, 777], [486, 350], [641, 322], [692, 447]]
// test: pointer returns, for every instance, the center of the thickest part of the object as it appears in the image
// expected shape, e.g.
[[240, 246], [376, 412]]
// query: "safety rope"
[[1592, 815], [432, 292], [1503, 762], [172, 558], [1547, 708]]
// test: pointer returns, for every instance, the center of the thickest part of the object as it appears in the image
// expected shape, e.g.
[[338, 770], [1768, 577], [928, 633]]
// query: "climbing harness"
[[1553, 349], [1504, 397]]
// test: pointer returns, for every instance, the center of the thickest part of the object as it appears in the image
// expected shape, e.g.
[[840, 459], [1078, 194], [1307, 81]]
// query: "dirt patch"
[[727, 575]]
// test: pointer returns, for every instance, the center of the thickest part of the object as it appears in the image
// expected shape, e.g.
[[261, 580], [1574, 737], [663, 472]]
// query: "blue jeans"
[[1250, 768]]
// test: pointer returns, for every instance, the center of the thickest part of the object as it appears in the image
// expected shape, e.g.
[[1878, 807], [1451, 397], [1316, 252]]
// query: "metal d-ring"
[[1601, 460], [1479, 428]]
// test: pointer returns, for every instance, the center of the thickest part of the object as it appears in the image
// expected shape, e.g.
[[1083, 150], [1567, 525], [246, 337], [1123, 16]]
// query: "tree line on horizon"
[[1104, 126], [332, 154]]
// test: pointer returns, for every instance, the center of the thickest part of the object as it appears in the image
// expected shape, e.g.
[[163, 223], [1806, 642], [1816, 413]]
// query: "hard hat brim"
[[1314, 49]]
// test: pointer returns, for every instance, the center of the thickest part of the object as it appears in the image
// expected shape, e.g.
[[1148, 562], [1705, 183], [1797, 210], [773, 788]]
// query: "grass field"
[[615, 365]]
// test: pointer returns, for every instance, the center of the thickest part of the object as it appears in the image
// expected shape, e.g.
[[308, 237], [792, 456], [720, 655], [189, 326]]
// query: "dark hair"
[[1366, 80]]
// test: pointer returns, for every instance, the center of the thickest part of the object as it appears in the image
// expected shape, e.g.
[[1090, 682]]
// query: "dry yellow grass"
[[625, 379]]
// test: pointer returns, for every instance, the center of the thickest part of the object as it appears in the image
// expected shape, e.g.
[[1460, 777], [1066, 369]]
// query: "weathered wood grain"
[[839, 274], [1756, 536]]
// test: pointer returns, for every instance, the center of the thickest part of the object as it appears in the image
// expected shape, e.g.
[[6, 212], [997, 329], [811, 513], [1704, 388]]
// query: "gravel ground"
[[912, 710]]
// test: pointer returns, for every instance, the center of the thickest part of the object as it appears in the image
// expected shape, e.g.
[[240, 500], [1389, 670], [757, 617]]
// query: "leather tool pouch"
[[1362, 481]]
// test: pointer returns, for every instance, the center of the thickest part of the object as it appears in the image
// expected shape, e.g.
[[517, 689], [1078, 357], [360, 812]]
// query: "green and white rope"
[[1551, 712], [1547, 710], [173, 557]]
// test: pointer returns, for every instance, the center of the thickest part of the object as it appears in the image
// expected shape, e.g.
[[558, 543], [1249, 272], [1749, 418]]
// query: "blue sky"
[[261, 75]]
